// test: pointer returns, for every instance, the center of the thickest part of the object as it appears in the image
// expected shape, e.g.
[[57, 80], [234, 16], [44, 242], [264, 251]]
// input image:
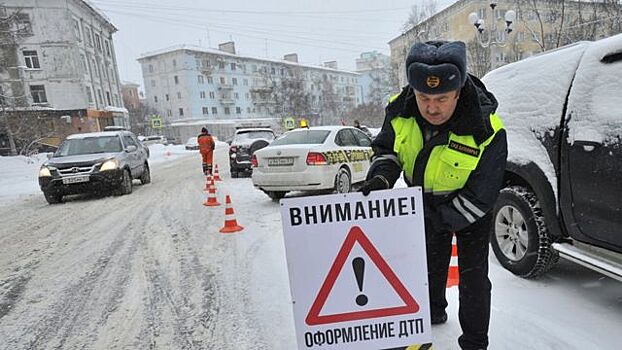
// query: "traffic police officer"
[[442, 133]]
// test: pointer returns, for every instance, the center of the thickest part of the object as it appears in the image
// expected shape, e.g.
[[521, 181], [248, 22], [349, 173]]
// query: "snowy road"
[[151, 271]]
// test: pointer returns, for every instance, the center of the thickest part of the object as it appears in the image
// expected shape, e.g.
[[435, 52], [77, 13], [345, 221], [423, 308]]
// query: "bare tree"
[[419, 12], [479, 59]]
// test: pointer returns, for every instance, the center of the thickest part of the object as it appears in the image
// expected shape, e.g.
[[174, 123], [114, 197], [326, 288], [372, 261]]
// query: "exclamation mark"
[[358, 264], [412, 205]]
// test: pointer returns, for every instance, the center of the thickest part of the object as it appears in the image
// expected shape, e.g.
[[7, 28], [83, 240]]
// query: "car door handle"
[[588, 146]]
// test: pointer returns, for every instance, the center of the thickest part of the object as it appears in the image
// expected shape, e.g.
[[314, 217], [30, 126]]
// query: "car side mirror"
[[131, 148]]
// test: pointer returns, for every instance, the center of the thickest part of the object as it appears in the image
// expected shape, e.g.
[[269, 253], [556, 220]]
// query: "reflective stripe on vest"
[[449, 165]]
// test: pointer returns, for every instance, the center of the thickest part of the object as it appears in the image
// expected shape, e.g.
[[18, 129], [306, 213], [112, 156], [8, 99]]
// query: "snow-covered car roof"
[[238, 131], [95, 134]]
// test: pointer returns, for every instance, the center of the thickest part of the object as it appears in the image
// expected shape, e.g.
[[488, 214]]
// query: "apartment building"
[[375, 80], [61, 67], [539, 25], [192, 86]]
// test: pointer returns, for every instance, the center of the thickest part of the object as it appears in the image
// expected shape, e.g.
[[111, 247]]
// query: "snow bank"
[[19, 175]]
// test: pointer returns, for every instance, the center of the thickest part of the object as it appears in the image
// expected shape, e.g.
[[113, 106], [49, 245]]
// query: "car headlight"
[[44, 172], [111, 164]]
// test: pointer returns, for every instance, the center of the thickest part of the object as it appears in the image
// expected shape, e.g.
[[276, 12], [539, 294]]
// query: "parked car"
[[563, 115], [244, 143], [316, 158], [192, 144], [154, 139], [104, 161]]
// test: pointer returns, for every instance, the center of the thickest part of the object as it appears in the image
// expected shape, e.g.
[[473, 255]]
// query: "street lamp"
[[480, 26]]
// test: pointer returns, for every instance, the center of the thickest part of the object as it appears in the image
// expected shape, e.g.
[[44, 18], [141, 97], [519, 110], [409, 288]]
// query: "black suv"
[[244, 143], [94, 162]]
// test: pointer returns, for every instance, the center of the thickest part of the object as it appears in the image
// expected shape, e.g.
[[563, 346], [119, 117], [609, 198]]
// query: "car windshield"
[[310, 137], [89, 145], [252, 135]]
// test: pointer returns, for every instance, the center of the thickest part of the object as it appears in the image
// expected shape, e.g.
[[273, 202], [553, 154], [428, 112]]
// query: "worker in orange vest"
[[206, 147]]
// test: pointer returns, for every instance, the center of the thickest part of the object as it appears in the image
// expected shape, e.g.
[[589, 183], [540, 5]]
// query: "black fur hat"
[[436, 67], [204, 130]]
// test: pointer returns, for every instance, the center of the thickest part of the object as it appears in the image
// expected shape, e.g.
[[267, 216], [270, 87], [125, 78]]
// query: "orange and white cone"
[[453, 275], [231, 224], [208, 181], [211, 197], [216, 175]]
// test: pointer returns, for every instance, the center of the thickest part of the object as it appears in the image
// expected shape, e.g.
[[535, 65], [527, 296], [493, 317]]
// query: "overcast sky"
[[318, 30]]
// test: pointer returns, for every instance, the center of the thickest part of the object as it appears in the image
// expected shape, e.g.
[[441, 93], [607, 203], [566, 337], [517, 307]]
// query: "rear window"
[[309, 137], [252, 135]]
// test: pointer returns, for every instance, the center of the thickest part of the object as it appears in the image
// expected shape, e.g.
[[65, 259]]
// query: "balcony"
[[225, 86], [226, 101]]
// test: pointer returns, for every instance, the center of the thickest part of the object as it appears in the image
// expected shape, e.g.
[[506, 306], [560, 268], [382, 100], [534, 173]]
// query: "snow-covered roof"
[[115, 109], [195, 48], [94, 134]]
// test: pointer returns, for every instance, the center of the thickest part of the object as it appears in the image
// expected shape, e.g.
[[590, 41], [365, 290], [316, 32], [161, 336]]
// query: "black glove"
[[377, 182]]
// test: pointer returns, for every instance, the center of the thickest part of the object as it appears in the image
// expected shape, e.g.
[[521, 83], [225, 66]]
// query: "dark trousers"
[[474, 288]]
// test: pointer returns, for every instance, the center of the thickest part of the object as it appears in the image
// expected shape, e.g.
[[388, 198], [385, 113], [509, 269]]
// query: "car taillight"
[[254, 161], [314, 158], [233, 149]]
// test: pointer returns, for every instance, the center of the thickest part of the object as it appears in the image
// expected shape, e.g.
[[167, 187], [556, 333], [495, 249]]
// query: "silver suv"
[[95, 162]]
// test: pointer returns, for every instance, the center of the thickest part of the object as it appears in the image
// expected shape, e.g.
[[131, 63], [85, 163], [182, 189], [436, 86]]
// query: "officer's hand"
[[375, 183]]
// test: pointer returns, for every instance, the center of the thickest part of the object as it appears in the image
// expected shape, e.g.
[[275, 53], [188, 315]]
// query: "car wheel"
[[343, 183], [126, 184], [276, 195], [234, 174], [520, 239], [53, 198], [145, 178]]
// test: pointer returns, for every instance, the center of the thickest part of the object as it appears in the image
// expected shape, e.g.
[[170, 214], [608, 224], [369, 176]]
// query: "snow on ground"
[[158, 274]]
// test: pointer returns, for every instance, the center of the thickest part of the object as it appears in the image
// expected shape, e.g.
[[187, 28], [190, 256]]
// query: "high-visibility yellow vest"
[[449, 165]]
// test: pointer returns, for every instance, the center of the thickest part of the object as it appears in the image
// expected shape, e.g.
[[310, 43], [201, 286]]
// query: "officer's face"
[[437, 108]]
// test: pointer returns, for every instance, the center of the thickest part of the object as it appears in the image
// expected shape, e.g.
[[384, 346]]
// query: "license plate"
[[280, 161], [75, 179]]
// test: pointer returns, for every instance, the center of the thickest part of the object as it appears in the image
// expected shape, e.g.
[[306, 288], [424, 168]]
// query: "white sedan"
[[316, 158]]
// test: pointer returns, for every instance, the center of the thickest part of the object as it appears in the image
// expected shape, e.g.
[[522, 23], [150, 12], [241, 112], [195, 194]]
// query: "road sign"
[[156, 122], [290, 123], [357, 269]]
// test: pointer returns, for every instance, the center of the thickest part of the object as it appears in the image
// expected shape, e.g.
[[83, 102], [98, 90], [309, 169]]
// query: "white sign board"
[[357, 269]]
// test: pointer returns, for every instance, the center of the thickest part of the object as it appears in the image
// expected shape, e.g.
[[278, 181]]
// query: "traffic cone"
[[231, 225], [211, 197], [216, 175], [208, 181], [453, 275]]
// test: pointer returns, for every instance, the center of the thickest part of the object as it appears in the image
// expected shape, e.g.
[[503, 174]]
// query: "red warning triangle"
[[357, 235]]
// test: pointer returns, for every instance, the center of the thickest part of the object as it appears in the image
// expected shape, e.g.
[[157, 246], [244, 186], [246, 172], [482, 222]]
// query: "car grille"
[[76, 170]]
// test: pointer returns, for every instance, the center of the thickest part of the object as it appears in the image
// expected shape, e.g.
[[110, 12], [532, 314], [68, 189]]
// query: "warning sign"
[[357, 269]]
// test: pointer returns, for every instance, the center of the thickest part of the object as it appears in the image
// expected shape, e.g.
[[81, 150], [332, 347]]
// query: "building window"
[[174, 63], [32, 60], [181, 112], [238, 110], [179, 95], [85, 64], [38, 94], [87, 35], [155, 99], [166, 97], [200, 79], [169, 112], [24, 26], [98, 42], [176, 78], [254, 68], [76, 29], [89, 94], [214, 110], [222, 80], [234, 81], [202, 94], [227, 110], [107, 47], [150, 68], [237, 96], [272, 71], [247, 96], [212, 94], [245, 82], [205, 109], [99, 96], [109, 101], [210, 80], [221, 65], [232, 66]]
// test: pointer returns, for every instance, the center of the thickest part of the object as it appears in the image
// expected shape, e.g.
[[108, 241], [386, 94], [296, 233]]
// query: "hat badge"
[[433, 81]]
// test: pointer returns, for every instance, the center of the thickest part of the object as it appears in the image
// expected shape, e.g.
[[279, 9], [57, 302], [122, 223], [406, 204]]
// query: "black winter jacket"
[[454, 211]]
